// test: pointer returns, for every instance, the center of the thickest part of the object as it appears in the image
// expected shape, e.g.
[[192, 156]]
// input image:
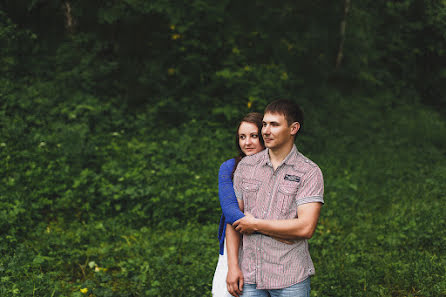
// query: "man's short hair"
[[289, 109]]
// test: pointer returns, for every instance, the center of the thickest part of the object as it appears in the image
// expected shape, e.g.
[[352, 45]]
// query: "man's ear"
[[295, 128]]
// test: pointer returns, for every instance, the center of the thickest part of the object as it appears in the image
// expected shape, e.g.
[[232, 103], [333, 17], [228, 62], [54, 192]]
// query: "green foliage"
[[15, 45], [94, 197], [108, 259], [112, 135]]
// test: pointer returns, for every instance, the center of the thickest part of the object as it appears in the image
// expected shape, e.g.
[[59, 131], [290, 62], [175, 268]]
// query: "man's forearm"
[[285, 229], [301, 227]]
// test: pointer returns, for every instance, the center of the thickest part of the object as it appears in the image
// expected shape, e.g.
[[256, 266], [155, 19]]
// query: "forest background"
[[116, 115]]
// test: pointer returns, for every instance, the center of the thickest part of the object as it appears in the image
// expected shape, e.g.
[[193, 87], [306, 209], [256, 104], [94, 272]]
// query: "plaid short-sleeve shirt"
[[275, 195]]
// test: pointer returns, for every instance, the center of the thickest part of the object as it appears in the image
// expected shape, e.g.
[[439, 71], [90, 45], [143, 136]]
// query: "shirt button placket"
[[258, 274], [258, 260]]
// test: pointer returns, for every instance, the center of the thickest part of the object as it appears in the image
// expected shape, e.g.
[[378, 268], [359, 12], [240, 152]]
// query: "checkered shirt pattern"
[[275, 195]]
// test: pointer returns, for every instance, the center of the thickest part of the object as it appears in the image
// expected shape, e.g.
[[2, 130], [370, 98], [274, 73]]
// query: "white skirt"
[[219, 288]]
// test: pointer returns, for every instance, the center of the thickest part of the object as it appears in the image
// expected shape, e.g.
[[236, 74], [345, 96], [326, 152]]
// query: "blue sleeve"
[[226, 194]]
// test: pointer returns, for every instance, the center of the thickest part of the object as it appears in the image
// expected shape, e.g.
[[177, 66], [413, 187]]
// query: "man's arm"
[[301, 227], [309, 199]]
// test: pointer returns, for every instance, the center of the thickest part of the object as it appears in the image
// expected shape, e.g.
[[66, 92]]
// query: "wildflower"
[[249, 104], [84, 290], [176, 36], [284, 76], [171, 71], [172, 27], [97, 269]]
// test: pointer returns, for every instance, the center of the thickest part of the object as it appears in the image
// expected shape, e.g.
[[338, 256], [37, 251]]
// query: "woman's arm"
[[234, 279], [231, 213], [226, 194]]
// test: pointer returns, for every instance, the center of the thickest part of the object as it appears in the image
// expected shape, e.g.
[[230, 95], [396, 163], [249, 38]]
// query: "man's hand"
[[247, 224], [234, 281]]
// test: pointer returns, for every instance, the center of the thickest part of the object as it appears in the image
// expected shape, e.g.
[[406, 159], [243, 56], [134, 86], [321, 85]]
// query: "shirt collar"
[[288, 159]]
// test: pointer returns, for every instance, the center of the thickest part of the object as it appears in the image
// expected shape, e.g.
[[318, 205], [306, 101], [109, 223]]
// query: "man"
[[281, 193]]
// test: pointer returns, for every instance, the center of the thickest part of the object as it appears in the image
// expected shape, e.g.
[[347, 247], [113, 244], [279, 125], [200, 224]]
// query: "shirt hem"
[[279, 287]]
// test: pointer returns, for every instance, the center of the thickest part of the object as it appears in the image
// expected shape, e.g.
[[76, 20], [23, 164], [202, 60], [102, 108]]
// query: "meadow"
[[132, 210], [115, 118]]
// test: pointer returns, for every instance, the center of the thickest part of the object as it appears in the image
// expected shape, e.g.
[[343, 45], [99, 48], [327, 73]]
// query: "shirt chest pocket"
[[250, 189], [286, 203]]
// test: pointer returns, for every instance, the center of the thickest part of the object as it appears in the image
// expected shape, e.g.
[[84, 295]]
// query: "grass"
[[381, 232]]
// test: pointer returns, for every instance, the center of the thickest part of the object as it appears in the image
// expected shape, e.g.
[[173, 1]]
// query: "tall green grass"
[[96, 198]]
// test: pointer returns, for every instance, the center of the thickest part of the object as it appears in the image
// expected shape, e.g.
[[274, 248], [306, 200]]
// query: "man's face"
[[276, 132]]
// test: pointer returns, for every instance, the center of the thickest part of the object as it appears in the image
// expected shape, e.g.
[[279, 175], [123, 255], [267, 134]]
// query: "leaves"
[[111, 139]]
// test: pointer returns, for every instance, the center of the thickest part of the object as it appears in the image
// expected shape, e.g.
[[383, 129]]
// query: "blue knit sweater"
[[228, 201]]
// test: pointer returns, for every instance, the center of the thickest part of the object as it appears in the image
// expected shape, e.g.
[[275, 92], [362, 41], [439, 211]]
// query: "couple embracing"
[[271, 196]]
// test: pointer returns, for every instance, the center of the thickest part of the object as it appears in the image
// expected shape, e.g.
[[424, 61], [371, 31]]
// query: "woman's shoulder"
[[228, 164]]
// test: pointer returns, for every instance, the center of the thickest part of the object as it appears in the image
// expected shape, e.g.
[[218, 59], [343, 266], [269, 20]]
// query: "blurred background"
[[116, 115]]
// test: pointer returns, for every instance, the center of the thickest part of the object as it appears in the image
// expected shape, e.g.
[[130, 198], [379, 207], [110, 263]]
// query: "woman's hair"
[[256, 119]]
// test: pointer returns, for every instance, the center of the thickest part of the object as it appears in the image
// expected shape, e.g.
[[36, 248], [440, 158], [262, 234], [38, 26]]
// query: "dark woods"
[[177, 56]]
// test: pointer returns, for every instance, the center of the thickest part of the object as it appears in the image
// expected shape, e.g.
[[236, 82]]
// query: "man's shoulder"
[[304, 164]]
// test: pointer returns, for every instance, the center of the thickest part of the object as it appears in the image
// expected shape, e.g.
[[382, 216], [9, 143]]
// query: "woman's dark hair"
[[256, 119]]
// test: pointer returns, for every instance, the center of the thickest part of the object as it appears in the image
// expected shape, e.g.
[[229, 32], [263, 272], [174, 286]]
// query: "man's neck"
[[277, 155]]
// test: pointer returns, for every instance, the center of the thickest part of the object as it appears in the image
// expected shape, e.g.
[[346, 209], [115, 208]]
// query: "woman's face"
[[248, 138]]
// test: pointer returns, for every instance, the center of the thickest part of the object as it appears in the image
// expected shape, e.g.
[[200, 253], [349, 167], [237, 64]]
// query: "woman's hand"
[[246, 225], [234, 281]]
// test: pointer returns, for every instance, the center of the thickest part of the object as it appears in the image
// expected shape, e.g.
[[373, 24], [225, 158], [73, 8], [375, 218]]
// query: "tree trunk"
[[69, 20], [342, 33]]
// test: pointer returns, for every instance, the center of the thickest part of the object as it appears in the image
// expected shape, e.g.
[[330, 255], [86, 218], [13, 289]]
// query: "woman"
[[248, 141]]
